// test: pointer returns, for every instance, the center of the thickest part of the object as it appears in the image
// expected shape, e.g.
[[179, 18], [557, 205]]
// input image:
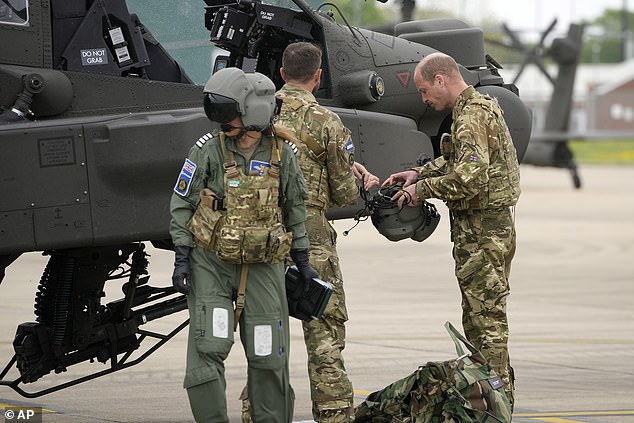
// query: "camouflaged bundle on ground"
[[462, 390]]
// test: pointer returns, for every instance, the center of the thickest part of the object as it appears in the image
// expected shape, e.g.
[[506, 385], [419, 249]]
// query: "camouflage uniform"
[[478, 177], [214, 280], [464, 389], [326, 154]]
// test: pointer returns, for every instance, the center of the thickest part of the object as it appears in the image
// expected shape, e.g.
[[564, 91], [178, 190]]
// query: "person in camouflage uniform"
[[230, 223], [326, 158], [477, 176]]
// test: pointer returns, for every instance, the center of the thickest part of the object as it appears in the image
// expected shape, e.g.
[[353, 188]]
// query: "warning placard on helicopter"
[[94, 56], [56, 151]]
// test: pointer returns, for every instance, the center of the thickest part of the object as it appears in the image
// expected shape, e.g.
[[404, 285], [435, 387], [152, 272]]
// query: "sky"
[[528, 15]]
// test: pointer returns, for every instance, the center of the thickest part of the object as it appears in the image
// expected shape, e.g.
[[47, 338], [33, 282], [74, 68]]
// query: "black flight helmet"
[[397, 223]]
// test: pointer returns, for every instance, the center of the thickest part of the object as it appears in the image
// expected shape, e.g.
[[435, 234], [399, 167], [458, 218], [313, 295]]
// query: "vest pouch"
[[266, 207], [279, 243], [254, 245], [204, 224], [229, 244]]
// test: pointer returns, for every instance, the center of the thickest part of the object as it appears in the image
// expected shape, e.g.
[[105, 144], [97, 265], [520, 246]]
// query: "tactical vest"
[[295, 114], [250, 229], [503, 188]]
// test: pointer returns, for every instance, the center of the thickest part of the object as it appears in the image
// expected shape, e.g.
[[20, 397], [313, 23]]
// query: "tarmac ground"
[[570, 312]]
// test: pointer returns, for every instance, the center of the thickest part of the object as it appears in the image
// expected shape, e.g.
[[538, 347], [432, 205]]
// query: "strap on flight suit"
[[241, 296]]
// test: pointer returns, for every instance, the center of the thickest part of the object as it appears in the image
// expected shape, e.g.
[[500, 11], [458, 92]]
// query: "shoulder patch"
[[202, 140], [184, 179], [292, 145]]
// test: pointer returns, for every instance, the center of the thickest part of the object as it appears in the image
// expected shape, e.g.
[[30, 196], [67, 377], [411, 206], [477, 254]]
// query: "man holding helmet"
[[237, 209], [478, 177]]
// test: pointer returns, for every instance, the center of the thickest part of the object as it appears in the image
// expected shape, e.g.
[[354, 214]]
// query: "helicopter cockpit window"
[[14, 12], [287, 4]]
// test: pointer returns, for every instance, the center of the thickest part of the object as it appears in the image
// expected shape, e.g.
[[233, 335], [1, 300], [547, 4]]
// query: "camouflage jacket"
[[326, 148], [479, 167], [203, 168]]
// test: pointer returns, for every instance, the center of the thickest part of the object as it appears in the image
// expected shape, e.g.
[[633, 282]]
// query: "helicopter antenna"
[[342, 17]]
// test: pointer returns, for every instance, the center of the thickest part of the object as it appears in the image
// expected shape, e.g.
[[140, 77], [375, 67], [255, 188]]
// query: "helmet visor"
[[219, 108]]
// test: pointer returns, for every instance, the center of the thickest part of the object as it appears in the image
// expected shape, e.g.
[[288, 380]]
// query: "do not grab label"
[[94, 56]]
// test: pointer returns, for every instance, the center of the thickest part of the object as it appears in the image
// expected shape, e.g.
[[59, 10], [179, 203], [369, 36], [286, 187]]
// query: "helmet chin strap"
[[225, 127]]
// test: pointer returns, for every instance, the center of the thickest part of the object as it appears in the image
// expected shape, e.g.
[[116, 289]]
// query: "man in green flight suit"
[[478, 177], [237, 209]]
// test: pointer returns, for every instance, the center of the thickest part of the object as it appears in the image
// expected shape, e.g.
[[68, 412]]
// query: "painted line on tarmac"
[[5, 405], [575, 341], [575, 414], [362, 392], [360, 340], [553, 417]]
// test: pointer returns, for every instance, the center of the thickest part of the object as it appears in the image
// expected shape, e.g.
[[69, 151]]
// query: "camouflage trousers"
[[484, 246], [330, 389]]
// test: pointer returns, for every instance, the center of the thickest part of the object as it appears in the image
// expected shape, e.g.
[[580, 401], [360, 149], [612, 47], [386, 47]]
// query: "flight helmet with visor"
[[231, 93]]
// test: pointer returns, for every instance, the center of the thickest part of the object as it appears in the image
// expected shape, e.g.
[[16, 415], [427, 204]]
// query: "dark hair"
[[300, 61], [438, 63]]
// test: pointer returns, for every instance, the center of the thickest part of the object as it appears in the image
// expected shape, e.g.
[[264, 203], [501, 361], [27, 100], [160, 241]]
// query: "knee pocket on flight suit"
[[213, 327], [265, 342], [199, 375]]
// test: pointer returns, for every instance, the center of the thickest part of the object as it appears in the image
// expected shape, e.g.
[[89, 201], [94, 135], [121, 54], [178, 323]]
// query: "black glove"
[[300, 257], [182, 275]]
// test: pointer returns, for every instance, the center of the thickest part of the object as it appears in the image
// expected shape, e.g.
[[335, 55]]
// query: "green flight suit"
[[326, 154], [214, 286], [478, 177]]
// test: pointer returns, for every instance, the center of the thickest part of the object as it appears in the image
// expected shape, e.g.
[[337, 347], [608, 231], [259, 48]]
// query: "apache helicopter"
[[550, 147], [97, 117], [549, 144]]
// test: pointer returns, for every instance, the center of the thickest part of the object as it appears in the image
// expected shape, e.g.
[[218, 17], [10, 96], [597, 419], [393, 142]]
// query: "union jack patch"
[[473, 158]]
